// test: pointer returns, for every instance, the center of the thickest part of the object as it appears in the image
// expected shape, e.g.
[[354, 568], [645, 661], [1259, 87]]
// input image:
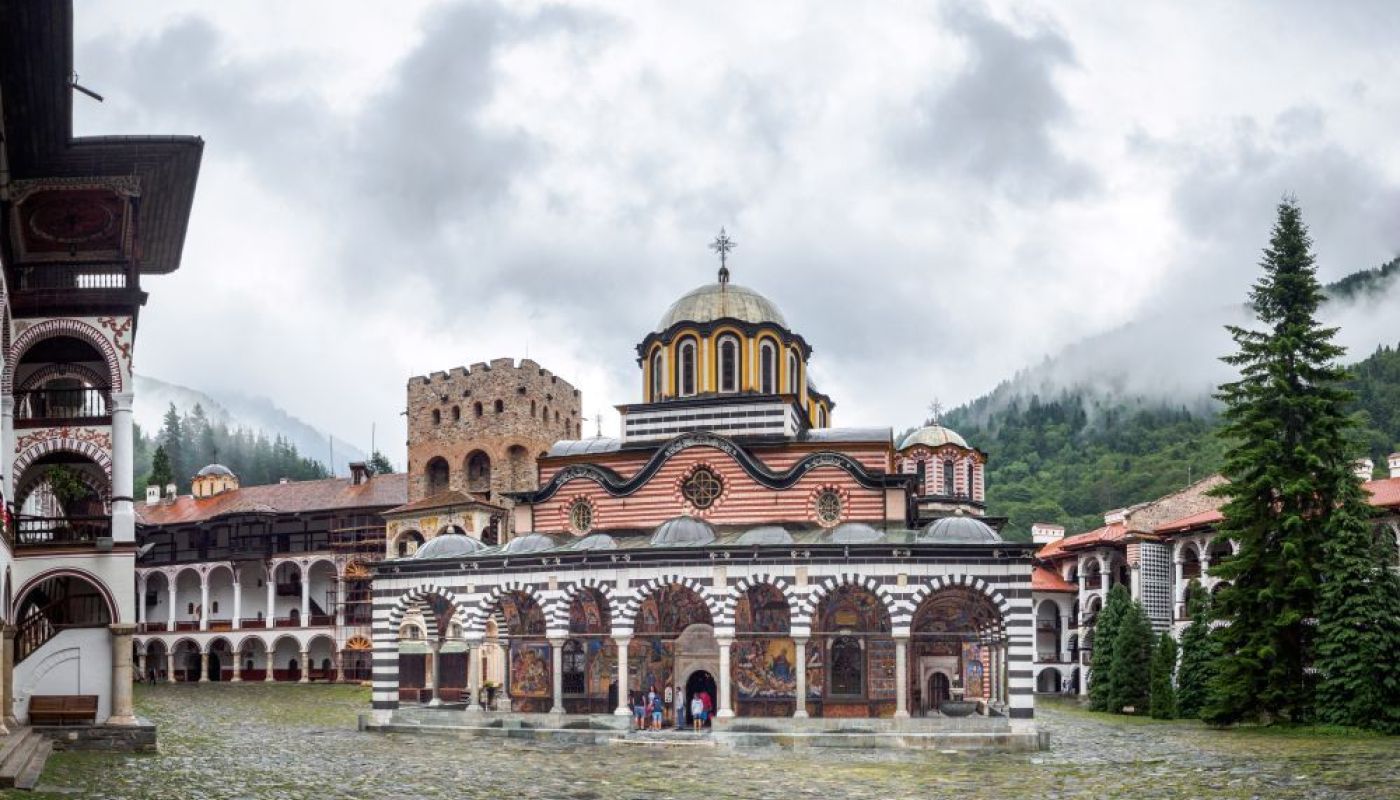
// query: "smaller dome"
[[933, 436], [529, 543], [959, 530], [449, 545], [683, 532], [215, 469], [768, 534], [854, 533], [596, 541]]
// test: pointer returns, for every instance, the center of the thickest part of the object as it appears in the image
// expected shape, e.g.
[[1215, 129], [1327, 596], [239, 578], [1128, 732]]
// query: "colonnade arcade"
[[284, 593], [761, 650]]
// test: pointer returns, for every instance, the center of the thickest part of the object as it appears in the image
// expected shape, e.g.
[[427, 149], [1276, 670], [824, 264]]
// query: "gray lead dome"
[[959, 530], [683, 532], [449, 545]]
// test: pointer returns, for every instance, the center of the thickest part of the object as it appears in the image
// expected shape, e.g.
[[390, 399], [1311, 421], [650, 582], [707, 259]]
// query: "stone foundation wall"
[[139, 738]]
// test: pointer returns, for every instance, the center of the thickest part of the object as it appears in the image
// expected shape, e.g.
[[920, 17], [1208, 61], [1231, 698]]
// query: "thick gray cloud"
[[934, 200], [995, 120]]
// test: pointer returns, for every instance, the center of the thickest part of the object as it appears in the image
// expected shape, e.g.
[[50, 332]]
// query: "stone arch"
[[922, 592], [398, 544], [627, 616], [437, 476], [291, 637], [808, 609], [27, 481], [38, 376], [557, 614], [476, 468], [731, 598], [53, 328], [93, 447], [474, 621], [419, 598], [253, 637], [97, 583]]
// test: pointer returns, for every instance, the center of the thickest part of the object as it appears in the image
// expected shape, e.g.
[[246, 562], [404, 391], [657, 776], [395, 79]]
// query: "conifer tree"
[[161, 475], [380, 463], [1163, 667], [172, 438], [1105, 634], [1289, 466], [1358, 626], [1199, 650], [1130, 673]]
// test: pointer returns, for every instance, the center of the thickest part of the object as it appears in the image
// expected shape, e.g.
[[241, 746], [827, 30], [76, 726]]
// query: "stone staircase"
[[22, 757], [668, 737]]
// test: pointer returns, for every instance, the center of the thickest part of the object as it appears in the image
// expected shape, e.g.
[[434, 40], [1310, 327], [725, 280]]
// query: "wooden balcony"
[[39, 408], [31, 532], [96, 288]]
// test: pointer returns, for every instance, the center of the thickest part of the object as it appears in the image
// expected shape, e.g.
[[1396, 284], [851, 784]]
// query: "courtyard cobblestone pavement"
[[291, 741]]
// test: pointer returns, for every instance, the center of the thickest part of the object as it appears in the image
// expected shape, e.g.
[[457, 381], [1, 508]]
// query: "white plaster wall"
[[221, 591], [73, 662], [114, 570]]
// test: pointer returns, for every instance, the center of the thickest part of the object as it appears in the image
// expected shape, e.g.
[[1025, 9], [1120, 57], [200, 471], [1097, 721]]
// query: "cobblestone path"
[[289, 741]]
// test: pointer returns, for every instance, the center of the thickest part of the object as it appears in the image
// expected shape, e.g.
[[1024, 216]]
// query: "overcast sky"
[[934, 194]]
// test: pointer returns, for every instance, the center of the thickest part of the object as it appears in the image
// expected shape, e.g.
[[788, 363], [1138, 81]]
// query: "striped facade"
[[901, 579]]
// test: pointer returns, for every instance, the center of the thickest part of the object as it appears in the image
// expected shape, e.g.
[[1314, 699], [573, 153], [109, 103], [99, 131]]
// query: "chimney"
[[1045, 533], [152, 495], [170, 493], [1364, 468], [1395, 465], [284, 480], [359, 472]]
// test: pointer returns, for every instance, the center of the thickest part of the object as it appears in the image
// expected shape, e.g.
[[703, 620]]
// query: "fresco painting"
[[670, 610], [522, 615], [529, 669], [765, 668], [588, 613], [762, 609], [973, 671], [851, 608], [650, 663], [601, 658]]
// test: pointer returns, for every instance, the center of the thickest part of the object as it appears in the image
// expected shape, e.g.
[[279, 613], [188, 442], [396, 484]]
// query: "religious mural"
[[588, 613], [973, 670], [853, 609], [816, 669], [529, 669], [601, 657], [762, 609], [764, 668], [650, 662], [522, 614], [670, 610]]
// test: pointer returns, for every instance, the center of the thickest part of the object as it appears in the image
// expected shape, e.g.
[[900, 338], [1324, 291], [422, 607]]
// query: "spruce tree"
[[1199, 650], [1358, 626], [1163, 665], [172, 438], [1130, 673], [1289, 463], [380, 464], [161, 475], [1105, 634]]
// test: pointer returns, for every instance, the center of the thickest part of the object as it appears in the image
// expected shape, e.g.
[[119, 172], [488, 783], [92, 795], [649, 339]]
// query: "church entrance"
[[700, 681], [937, 690]]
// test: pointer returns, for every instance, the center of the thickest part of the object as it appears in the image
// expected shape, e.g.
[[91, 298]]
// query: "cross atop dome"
[[722, 245]]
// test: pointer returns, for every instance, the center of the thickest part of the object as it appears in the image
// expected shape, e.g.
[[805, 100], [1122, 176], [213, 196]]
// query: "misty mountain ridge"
[[241, 411]]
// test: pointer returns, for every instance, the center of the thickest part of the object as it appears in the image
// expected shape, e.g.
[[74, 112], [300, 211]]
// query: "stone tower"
[[480, 430]]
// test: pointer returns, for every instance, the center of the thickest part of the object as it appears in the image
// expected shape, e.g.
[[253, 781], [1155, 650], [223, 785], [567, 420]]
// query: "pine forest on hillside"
[[1068, 459]]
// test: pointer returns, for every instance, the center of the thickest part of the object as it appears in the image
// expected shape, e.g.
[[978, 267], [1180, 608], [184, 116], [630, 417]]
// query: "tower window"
[[920, 475], [793, 369], [437, 417], [500, 406], [686, 378], [456, 413], [768, 367], [971, 474], [948, 478], [729, 364], [658, 375], [476, 409]]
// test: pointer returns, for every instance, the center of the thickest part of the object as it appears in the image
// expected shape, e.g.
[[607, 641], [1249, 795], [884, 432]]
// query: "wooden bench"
[[62, 709]]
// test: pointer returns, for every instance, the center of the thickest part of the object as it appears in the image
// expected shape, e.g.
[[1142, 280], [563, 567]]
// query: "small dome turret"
[[683, 532], [449, 545], [959, 529], [933, 436]]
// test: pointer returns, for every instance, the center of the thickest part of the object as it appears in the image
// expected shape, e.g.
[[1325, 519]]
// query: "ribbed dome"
[[214, 469], [854, 533], [596, 541], [683, 532], [720, 301], [449, 545], [529, 543], [959, 530], [933, 436], [769, 534]]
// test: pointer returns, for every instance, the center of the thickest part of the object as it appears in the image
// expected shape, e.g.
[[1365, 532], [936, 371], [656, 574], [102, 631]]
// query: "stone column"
[[1104, 576], [237, 668], [1064, 636], [556, 648], [268, 652], [271, 601], [340, 602], [622, 710], [7, 668], [204, 602], [122, 712], [306, 666], [305, 596], [7, 443], [170, 665], [474, 674], [123, 508], [800, 653], [170, 590], [141, 666], [901, 676], [726, 709], [436, 647], [237, 601], [141, 601], [204, 666]]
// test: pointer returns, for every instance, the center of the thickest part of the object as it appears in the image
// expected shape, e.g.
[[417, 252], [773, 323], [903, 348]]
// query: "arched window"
[[437, 417], [794, 367], [971, 476], [658, 374], [574, 667], [767, 367], [476, 409], [948, 479], [685, 378], [439, 475], [821, 417], [500, 406], [729, 364], [456, 413], [921, 475], [847, 667]]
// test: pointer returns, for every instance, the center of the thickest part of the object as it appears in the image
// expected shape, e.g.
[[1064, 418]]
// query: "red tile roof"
[[1108, 534], [1044, 580], [1385, 493], [331, 494]]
